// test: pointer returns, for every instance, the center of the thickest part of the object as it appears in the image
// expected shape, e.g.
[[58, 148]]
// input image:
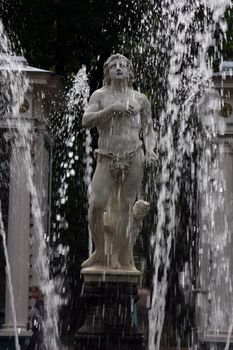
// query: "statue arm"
[[148, 131], [93, 115]]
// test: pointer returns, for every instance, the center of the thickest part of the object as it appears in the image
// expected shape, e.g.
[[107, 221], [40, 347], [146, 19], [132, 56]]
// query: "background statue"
[[120, 113]]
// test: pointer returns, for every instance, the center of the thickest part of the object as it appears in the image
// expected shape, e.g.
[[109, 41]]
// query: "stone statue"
[[123, 256], [120, 113]]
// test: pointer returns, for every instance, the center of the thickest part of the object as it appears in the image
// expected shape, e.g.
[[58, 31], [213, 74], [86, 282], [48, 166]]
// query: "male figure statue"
[[120, 113]]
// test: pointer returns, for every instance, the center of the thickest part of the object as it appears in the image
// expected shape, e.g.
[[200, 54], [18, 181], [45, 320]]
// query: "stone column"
[[18, 235]]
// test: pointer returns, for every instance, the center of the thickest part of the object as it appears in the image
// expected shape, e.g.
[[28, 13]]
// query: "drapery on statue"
[[120, 113]]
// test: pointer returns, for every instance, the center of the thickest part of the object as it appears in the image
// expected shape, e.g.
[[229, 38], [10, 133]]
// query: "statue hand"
[[150, 157], [122, 110]]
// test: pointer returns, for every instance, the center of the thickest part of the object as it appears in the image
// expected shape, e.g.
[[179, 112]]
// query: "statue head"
[[118, 56]]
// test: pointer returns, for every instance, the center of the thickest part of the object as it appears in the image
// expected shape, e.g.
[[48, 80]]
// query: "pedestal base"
[[109, 323]]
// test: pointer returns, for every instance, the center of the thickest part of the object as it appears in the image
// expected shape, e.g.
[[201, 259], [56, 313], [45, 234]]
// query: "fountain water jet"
[[175, 38], [188, 73]]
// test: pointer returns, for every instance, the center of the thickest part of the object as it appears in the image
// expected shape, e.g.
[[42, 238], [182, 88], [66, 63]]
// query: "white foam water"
[[188, 75], [176, 35], [66, 134]]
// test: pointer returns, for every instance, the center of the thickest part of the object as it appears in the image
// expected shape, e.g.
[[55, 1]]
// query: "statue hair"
[[107, 79]]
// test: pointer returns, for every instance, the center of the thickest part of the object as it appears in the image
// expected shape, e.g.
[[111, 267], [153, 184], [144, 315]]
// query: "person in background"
[[37, 321]]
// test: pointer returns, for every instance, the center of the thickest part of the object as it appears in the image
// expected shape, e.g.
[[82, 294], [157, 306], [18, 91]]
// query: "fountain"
[[183, 37], [110, 276]]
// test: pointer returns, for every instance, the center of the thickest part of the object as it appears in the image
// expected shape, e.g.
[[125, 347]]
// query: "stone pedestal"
[[109, 298]]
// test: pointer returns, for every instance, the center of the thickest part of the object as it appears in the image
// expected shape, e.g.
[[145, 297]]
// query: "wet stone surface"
[[109, 320]]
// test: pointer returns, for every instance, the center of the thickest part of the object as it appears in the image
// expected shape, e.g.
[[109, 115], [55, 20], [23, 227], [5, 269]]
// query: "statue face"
[[118, 69]]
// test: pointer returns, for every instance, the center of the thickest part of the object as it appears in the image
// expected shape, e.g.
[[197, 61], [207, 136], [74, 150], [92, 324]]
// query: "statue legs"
[[102, 185], [128, 190], [116, 200]]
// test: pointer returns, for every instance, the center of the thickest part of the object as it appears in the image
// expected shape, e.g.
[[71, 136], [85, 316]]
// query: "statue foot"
[[129, 266], [95, 259], [115, 263], [132, 267], [116, 266]]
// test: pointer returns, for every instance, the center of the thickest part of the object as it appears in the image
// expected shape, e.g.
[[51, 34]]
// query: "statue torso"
[[120, 134]]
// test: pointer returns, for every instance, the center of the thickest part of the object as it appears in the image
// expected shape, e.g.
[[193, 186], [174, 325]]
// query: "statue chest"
[[122, 100]]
